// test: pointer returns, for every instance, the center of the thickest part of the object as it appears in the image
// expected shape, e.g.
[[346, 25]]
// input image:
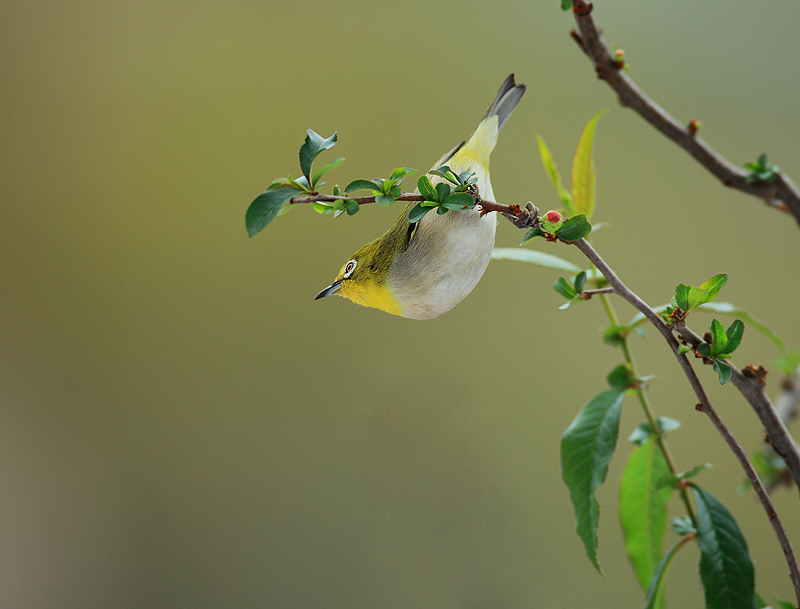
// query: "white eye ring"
[[349, 268]]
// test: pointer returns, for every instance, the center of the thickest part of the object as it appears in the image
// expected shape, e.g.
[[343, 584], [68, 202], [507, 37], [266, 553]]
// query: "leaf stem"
[[648, 411]]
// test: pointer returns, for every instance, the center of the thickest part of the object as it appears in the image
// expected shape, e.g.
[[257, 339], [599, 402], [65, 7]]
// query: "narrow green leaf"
[[322, 208], [417, 212], [325, 169], [725, 565], [313, 145], [682, 296], [643, 509], [264, 208], [580, 281], [734, 334], [583, 174], [586, 450], [442, 191], [655, 591], [547, 261], [719, 339], [555, 177], [574, 228], [563, 287], [426, 189]]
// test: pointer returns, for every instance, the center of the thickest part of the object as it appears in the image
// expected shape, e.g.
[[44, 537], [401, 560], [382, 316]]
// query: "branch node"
[[582, 8], [759, 374], [699, 407]]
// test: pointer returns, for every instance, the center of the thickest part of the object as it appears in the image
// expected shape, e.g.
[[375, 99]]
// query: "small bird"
[[424, 269]]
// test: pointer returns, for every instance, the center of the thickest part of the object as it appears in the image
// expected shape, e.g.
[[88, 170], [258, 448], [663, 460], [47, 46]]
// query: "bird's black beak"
[[331, 289]]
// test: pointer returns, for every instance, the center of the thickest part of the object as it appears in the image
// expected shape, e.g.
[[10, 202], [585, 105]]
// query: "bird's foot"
[[526, 217]]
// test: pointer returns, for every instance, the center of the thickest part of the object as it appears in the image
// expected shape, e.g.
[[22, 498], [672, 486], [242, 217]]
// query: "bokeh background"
[[182, 426]]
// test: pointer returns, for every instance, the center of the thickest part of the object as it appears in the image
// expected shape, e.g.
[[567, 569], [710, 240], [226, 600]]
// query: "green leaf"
[[547, 261], [426, 189], [672, 480], [441, 210], [417, 212], [726, 308], [586, 450], [725, 565], [552, 172], [322, 208], [458, 201], [351, 207], [325, 169], [644, 430], [566, 5], [719, 339], [734, 334], [683, 525], [643, 509], [563, 287], [361, 185], [616, 335], [580, 281], [723, 370], [264, 208], [399, 173], [682, 296], [442, 191], [574, 228], [655, 591], [536, 231], [583, 174], [620, 377], [788, 362], [384, 200], [313, 145]]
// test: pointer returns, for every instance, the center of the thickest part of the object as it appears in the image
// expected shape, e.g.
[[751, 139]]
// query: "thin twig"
[[704, 405], [781, 192], [587, 294], [751, 385]]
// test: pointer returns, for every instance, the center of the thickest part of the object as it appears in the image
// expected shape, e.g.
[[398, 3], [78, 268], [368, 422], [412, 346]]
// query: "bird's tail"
[[478, 148]]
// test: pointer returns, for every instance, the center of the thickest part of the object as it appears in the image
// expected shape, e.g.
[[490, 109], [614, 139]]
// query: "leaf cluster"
[[761, 171], [454, 192]]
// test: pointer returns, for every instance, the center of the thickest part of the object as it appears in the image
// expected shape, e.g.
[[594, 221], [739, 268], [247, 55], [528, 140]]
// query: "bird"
[[421, 270]]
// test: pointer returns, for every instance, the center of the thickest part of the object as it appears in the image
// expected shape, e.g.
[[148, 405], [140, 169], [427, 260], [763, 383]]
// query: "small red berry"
[[553, 216]]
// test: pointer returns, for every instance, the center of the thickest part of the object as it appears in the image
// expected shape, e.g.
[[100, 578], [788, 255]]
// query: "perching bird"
[[424, 269]]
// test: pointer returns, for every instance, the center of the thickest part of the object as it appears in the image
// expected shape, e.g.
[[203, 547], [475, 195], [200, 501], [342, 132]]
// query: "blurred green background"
[[182, 426]]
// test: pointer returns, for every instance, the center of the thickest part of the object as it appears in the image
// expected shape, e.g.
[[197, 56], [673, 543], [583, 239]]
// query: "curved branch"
[[704, 405], [781, 192]]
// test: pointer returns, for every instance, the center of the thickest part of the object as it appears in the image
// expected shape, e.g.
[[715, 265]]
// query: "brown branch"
[[781, 192], [704, 404], [522, 217], [587, 294], [750, 384]]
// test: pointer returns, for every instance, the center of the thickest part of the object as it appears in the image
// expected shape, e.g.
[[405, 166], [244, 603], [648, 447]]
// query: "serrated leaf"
[[734, 334], [705, 292], [682, 296], [719, 339], [583, 174], [552, 172], [426, 189], [643, 509], [547, 261], [655, 591], [325, 169], [442, 191], [264, 208], [563, 287], [574, 228], [313, 145], [361, 185], [725, 566], [723, 370], [586, 450], [417, 212], [384, 200], [726, 308]]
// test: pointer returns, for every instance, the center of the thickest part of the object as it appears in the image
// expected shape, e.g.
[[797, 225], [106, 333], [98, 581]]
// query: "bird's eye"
[[349, 268]]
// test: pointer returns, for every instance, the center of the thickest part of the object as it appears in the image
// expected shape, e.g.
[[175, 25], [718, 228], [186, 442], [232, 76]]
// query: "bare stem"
[[781, 192], [704, 404]]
